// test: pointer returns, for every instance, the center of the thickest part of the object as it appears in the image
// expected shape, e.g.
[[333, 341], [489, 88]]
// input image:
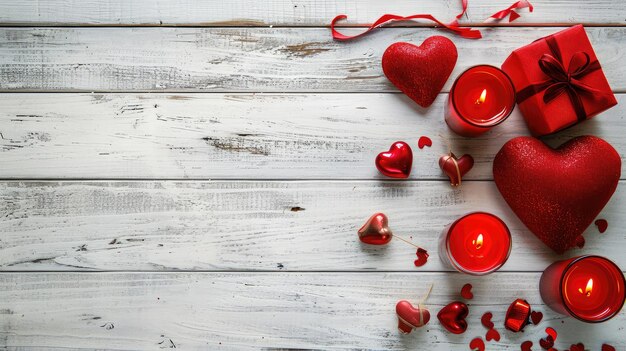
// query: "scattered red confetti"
[[486, 320], [602, 224], [547, 343], [551, 332], [536, 317], [422, 257], [466, 291], [526, 346], [492, 334], [424, 141], [577, 347], [477, 344], [580, 241], [607, 347]]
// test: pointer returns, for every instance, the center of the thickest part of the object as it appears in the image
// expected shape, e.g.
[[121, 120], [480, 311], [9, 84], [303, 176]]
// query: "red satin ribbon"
[[453, 26], [509, 11]]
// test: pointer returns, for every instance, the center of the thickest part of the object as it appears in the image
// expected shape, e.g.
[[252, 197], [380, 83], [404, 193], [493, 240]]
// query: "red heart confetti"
[[526, 345], [466, 292], [492, 334], [607, 347], [486, 320], [551, 332], [536, 317], [580, 241], [422, 257], [577, 347], [477, 344], [547, 343], [424, 141], [602, 224]]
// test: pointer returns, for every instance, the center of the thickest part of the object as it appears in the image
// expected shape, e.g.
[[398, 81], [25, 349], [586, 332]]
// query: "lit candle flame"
[[588, 289], [478, 242], [482, 97]]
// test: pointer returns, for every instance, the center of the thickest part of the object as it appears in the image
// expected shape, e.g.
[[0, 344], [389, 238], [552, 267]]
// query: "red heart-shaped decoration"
[[466, 292], [376, 230], [557, 193], [607, 347], [410, 317], [452, 317], [455, 168], [477, 344], [485, 320], [577, 347], [492, 334], [420, 71], [536, 317], [396, 162], [526, 345]]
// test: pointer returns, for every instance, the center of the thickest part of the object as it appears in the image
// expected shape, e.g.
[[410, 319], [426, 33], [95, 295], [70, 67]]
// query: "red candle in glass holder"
[[481, 98], [589, 288], [477, 243]]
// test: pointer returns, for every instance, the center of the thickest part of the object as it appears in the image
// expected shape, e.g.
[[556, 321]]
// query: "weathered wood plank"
[[243, 59], [242, 136], [290, 13], [294, 226], [279, 311]]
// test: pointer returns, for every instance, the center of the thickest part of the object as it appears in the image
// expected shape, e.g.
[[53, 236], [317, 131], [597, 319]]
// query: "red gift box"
[[558, 81]]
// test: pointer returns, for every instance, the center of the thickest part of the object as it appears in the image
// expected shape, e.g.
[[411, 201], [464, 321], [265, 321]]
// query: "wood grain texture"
[[203, 311], [243, 136], [292, 226], [244, 59], [291, 12]]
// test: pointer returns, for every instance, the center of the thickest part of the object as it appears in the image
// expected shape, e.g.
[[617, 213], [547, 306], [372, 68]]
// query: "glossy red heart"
[[455, 168], [420, 71], [452, 317], [557, 193], [396, 162], [410, 317], [376, 230]]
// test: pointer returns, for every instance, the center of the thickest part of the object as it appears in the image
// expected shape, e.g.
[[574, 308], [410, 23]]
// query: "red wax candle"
[[589, 288], [481, 97], [477, 243]]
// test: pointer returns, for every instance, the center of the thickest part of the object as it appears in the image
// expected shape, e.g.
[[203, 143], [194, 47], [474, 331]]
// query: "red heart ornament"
[[420, 71], [376, 230], [557, 193], [452, 317], [396, 162], [455, 168], [410, 317]]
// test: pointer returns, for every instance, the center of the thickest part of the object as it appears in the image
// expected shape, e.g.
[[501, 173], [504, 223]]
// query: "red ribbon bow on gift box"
[[561, 80]]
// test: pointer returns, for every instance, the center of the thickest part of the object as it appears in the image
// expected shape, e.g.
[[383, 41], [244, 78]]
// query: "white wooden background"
[[191, 174]]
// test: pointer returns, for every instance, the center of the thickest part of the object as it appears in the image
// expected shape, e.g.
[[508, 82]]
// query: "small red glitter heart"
[[420, 71], [410, 317], [607, 347], [422, 257], [526, 345], [486, 320], [455, 168], [477, 344], [466, 292], [424, 141], [602, 224], [452, 317], [376, 230], [577, 347], [492, 334], [397, 162], [536, 317]]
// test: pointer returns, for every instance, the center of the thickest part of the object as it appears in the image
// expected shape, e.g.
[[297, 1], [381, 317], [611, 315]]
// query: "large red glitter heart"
[[452, 317], [410, 317], [557, 193], [420, 71], [376, 230], [396, 162]]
